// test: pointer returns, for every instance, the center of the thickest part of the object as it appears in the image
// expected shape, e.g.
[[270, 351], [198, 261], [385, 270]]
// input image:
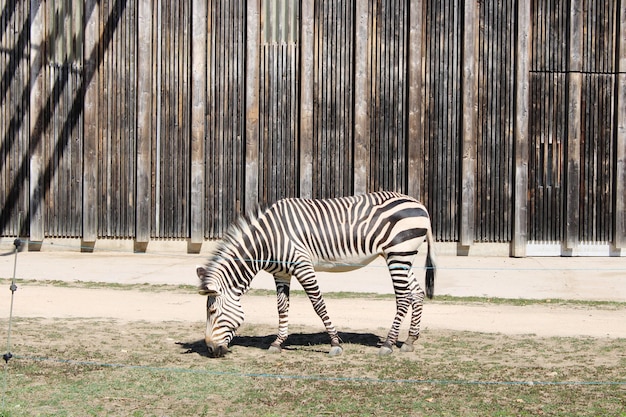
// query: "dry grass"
[[161, 369]]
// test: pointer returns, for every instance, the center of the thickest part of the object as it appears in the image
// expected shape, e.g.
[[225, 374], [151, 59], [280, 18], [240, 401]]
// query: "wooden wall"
[[388, 127], [442, 115], [14, 116], [225, 133], [333, 101], [572, 171], [597, 148], [152, 119], [113, 124], [548, 120], [496, 116], [278, 101]]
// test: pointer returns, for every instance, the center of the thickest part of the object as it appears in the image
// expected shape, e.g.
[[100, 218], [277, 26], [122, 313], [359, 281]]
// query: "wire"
[[321, 377]]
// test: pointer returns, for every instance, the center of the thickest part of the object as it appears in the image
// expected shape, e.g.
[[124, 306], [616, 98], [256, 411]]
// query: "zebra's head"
[[223, 310]]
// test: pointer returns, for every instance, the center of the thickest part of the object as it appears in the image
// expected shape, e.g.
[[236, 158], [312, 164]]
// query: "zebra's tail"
[[430, 265]]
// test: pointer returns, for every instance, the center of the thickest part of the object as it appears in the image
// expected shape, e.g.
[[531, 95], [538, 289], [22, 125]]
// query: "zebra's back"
[[351, 229]]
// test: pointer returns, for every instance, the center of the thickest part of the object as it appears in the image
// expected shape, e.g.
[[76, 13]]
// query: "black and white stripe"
[[296, 237]]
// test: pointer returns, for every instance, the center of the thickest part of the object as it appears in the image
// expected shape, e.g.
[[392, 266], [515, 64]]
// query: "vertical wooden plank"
[[37, 38], [253, 25], [198, 112], [619, 237], [574, 124], [469, 130], [522, 68], [362, 98], [415, 100], [90, 165], [306, 98], [144, 121]]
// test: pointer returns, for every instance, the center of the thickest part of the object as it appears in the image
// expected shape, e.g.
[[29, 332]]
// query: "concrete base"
[[176, 246]]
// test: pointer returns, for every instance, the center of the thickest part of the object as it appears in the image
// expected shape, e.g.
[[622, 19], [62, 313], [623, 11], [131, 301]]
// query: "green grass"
[[77, 367]]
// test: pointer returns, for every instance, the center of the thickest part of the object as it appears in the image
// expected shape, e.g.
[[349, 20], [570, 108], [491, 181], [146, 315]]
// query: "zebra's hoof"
[[274, 349], [407, 348], [335, 351], [385, 351]]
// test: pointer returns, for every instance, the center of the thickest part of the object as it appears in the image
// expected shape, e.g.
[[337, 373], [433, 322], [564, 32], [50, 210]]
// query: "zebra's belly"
[[343, 264]]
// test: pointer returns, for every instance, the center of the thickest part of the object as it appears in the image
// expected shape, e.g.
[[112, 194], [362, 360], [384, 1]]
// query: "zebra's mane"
[[233, 236]]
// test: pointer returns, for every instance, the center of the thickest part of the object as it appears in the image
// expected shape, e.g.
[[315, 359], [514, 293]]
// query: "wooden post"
[[574, 125], [306, 99], [416, 89], [91, 118], [198, 117], [469, 112], [144, 121], [362, 99], [522, 88], [253, 33], [37, 41], [619, 237]]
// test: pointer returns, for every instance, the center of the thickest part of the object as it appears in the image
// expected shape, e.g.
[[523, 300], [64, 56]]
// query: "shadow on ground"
[[295, 341]]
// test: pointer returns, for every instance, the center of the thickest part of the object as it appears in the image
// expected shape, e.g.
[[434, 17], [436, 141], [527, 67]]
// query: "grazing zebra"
[[296, 237]]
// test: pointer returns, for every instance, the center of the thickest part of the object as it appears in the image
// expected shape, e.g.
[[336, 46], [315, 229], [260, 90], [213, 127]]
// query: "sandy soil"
[[33, 300]]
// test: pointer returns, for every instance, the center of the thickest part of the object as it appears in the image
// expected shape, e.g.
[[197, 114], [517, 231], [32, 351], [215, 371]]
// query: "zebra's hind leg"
[[404, 284], [417, 300], [402, 306], [282, 295]]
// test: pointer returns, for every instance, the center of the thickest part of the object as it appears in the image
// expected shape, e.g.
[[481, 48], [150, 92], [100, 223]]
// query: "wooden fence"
[[151, 119]]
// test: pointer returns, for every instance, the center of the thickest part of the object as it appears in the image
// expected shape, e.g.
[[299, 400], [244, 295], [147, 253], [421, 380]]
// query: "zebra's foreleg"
[[282, 296], [307, 279]]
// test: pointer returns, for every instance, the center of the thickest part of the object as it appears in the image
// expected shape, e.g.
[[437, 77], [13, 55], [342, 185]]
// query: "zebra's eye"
[[212, 310]]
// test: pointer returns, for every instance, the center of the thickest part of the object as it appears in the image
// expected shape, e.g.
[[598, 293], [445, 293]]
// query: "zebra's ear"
[[201, 271]]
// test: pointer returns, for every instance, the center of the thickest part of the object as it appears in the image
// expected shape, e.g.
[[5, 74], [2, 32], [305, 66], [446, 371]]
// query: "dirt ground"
[[150, 327], [348, 314], [116, 310]]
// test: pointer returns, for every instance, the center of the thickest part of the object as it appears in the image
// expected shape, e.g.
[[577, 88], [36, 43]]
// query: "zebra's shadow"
[[316, 342]]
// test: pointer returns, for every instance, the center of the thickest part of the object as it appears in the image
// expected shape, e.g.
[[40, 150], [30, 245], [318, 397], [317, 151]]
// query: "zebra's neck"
[[234, 269]]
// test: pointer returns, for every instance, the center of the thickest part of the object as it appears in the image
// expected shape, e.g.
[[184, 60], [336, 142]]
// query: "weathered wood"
[[362, 99], [14, 128], [253, 23], [386, 95], [574, 124], [116, 102], [91, 126], [144, 121], [597, 150], [388, 125], [333, 99], [199, 48], [416, 97], [619, 239], [522, 67], [469, 131], [306, 98], [442, 125], [37, 164], [495, 122]]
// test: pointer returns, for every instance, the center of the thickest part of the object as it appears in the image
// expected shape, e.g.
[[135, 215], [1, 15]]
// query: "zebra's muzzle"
[[216, 351]]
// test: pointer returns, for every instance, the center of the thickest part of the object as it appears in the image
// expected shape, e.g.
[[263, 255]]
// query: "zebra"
[[295, 237]]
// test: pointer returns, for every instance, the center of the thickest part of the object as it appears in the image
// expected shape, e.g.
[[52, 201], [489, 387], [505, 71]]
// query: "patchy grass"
[[69, 367], [442, 299]]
